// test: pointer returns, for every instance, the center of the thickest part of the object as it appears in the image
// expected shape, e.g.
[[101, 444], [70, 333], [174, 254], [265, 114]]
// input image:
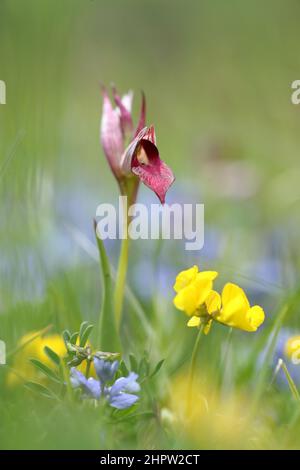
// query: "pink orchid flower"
[[140, 159]]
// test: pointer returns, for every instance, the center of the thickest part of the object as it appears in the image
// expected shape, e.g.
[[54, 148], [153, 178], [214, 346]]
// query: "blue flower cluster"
[[121, 394]]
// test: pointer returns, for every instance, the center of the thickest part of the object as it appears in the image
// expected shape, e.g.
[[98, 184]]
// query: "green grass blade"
[[41, 390], [137, 309], [108, 338], [290, 381], [45, 370], [85, 336]]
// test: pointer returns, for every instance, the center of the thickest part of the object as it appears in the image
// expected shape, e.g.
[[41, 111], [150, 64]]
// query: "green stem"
[[290, 381], [128, 188], [193, 367], [87, 370], [121, 280], [66, 376], [108, 338]]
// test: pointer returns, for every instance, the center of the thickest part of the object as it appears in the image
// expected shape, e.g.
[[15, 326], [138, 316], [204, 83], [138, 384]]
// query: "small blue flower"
[[116, 394], [121, 394], [91, 387], [105, 370]]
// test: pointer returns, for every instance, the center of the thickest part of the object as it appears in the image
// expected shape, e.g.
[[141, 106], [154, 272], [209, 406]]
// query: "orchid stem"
[[193, 367], [87, 369], [121, 281]]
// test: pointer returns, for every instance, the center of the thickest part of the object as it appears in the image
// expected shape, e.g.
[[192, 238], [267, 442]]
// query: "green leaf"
[[157, 367], [74, 337], [133, 363], [136, 306], [123, 369], [52, 355], [85, 336], [108, 338], [83, 327], [66, 336], [144, 367], [125, 413], [41, 390], [45, 370]]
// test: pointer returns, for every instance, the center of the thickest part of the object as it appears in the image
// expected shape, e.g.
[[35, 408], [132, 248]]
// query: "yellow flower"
[[193, 288], [32, 347], [213, 421], [236, 310], [292, 349], [232, 309], [213, 305]]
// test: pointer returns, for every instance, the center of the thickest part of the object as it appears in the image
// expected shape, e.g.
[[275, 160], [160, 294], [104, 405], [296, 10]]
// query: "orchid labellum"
[[132, 152]]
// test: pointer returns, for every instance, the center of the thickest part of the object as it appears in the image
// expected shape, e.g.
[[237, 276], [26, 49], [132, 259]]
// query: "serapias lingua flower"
[[132, 152], [120, 394]]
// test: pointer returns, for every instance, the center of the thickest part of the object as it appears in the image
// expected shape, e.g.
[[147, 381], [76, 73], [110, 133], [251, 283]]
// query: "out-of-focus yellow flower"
[[292, 349], [211, 421], [32, 346], [193, 288]]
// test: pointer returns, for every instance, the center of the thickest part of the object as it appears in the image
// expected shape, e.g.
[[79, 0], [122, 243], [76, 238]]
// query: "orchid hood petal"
[[142, 159]]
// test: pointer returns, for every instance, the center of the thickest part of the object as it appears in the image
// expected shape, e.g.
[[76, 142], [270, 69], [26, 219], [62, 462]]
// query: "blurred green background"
[[217, 77]]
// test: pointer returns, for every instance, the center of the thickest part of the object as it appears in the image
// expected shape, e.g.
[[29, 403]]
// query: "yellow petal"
[[231, 292], [194, 321], [191, 297], [187, 299], [22, 368], [234, 314], [213, 302], [255, 317], [203, 288], [207, 275], [184, 278]]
